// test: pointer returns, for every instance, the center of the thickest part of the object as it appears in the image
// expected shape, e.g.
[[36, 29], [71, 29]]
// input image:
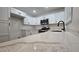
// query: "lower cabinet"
[[4, 31]]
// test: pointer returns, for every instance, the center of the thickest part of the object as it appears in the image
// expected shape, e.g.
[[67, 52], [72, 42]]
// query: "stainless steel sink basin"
[[56, 30]]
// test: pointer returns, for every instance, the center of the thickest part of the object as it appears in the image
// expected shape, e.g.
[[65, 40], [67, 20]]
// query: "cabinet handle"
[[9, 24]]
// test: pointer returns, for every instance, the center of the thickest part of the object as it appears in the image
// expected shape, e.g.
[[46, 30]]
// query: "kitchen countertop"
[[65, 38]]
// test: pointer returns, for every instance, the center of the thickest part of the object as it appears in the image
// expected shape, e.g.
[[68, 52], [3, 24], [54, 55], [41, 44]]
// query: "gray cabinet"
[[10, 25], [4, 13], [4, 29], [4, 23], [15, 27]]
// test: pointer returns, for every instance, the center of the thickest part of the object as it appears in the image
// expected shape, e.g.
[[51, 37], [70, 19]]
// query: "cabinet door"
[[4, 13], [75, 19], [68, 14], [15, 27], [4, 29]]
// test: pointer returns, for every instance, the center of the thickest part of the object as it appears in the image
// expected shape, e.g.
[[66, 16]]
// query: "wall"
[[53, 18]]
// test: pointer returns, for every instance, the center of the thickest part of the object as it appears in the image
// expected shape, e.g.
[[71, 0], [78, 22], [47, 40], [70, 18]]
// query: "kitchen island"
[[43, 42]]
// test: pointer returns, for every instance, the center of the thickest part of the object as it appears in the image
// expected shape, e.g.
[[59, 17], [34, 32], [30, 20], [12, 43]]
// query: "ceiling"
[[39, 11]]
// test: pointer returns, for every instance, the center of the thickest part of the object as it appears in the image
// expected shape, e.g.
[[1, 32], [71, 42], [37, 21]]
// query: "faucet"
[[63, 25]]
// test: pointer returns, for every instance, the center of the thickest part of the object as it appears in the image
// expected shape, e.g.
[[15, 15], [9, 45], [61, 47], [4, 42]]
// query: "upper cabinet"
[[75, 19], [68, 15], [4, 13], [17, 13]]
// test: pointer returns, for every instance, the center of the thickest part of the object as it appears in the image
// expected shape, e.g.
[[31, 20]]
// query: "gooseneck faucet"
[[63, 25]]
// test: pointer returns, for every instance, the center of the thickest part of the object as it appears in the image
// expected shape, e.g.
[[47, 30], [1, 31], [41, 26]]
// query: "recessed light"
[[34, 11]]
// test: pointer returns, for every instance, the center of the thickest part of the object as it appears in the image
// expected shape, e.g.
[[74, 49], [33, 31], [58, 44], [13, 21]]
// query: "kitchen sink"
[[56, 30]]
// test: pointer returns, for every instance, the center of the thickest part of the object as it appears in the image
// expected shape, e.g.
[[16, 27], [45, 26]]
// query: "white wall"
[[28, 19], [53, 18]]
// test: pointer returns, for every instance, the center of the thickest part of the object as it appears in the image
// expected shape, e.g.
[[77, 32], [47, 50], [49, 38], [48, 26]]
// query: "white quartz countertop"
[[66, 38], [42, 37]]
